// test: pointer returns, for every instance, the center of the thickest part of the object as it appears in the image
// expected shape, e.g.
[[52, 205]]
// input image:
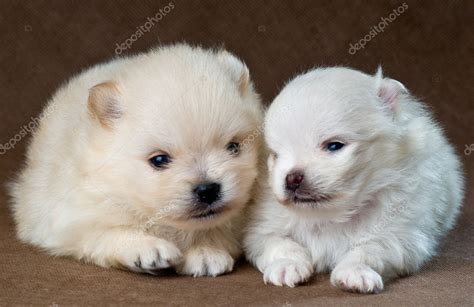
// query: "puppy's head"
[[170, 136], [330, 133]]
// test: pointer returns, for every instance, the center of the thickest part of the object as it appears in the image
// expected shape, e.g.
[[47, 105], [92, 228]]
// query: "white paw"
[[149, 254], [357, 278], [205, 261], [287, 272]]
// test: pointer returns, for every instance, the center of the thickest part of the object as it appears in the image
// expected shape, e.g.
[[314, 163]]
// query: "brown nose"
[[294, 180]]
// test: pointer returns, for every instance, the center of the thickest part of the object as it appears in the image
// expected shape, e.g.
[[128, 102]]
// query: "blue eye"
[[160, 161], [334, 146]]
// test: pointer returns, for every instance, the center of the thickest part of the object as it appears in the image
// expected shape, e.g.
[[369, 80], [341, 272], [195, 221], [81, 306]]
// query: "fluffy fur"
[[376, 208], [89, 191]]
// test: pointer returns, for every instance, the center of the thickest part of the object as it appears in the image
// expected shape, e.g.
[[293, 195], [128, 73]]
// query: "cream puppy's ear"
[[388, 90], [238, 70], [105, 103]]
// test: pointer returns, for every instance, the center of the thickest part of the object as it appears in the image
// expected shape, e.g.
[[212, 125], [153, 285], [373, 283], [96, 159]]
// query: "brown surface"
[[429, 48]]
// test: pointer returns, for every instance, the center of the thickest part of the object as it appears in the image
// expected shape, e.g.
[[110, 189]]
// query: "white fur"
[[89, 191], [395, 188]]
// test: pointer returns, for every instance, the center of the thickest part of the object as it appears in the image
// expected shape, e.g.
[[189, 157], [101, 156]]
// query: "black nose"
[[294, 180], [208, 192]]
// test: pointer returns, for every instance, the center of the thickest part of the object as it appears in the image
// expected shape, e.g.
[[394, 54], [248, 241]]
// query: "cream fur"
[[394, 190], [88, 190]]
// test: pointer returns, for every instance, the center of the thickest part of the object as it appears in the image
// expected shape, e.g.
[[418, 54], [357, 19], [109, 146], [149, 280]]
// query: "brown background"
[[429, 48]]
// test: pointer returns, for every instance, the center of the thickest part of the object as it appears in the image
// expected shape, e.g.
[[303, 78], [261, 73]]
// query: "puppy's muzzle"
[[294, 180], [298, 190], [207, 193], [207, 204]]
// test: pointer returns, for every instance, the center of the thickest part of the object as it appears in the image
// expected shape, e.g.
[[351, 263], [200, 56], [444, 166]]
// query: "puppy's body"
[[113, 171], [379, 184]]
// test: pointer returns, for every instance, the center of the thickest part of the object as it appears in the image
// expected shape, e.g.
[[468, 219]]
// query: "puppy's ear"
[[105, 103], [388, 90], [238, 70]]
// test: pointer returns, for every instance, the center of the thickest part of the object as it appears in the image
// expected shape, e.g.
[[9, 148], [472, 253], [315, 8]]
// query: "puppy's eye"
[[160, 161], [334, 146], [233, 148]]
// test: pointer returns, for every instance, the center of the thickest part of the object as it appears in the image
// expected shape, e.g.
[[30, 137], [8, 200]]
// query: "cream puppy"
[[139, 165], [364, 183]]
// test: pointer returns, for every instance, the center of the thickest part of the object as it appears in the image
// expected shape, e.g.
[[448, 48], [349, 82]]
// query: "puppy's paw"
[[357, 278], [287, 272], [205, 261], [149, 254]]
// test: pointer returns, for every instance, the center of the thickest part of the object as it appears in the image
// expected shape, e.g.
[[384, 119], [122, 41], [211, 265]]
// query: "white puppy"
[[365, 183], [138, 163]]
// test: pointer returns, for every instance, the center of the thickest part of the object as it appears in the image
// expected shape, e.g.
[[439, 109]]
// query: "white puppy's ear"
[[104, 103], [238, 70], [388, 90]]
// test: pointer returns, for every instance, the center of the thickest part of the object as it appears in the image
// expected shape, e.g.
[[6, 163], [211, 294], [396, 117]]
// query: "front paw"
[[287, 272], [357, 278], [149, 254], [205, 261]]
